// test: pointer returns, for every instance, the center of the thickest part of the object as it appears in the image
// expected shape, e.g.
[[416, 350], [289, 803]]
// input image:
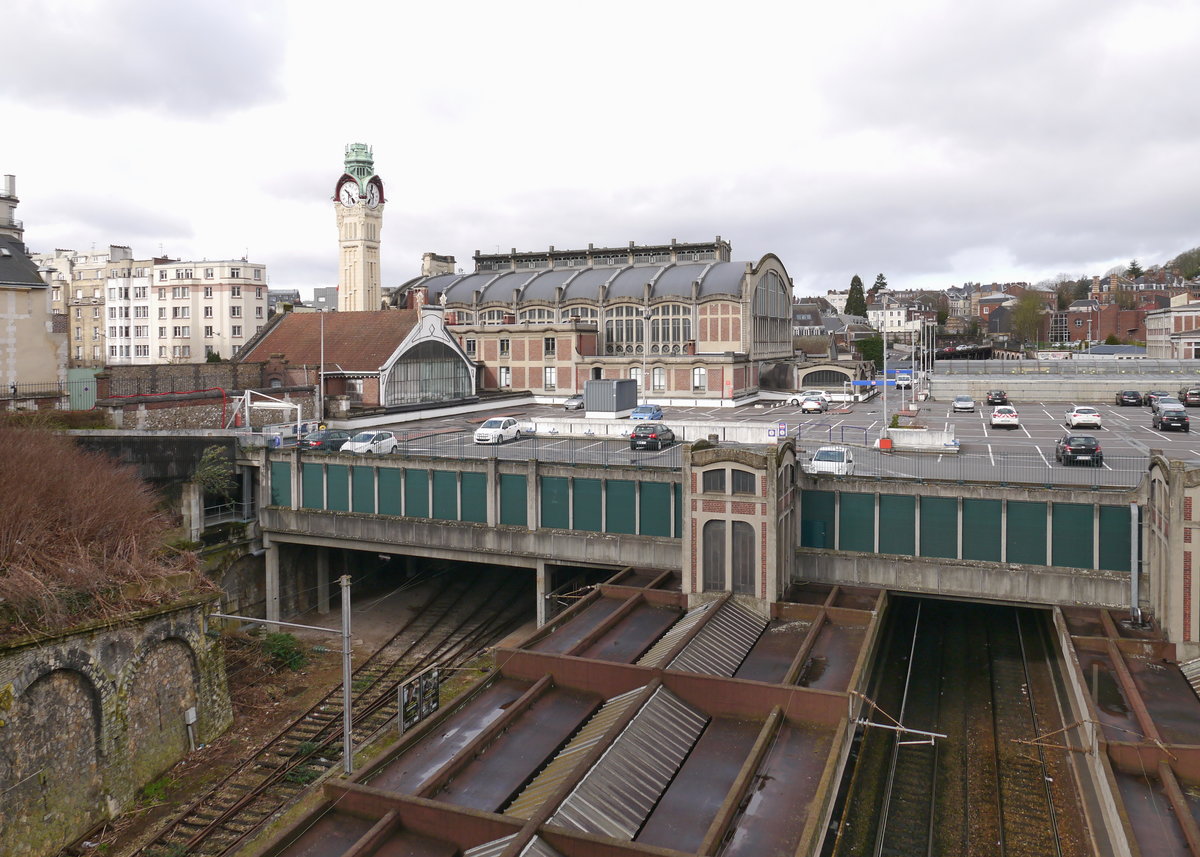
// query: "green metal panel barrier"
[[1072, 545], [312, 486], [981, 529], [1114, 538], [1026, 539], [587, 505], [816, 519], [445, 495], [939, 527], [416, 493], [677, 492], [514, 499], [556, 502], [897, 524], [474, 497], [281, 483], [620, 507], [857, 525], [364, 489], [337, 488], [655, 516], [389, 491]]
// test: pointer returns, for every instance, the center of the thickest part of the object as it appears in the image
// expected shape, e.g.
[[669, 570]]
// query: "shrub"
[[285, 649]]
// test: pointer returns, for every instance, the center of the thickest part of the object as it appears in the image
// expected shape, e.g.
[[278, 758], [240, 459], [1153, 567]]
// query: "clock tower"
[[358, 203]]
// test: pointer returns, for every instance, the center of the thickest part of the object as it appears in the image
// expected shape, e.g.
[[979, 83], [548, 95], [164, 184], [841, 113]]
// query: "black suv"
[[1173, 416], [1078, 447], [1189, 395], [651, 436], [997, 397], [1129, 397]]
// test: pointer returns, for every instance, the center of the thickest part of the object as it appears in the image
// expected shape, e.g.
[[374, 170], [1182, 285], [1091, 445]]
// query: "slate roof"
[[354, 341], [16, 268]]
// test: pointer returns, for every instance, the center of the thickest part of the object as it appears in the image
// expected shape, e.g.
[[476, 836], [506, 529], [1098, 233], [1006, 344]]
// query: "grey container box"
[[610, 395]]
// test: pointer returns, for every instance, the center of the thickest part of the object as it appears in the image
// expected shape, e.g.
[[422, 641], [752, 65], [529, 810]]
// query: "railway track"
[[1025, 806], [910, 793], [463, 616]]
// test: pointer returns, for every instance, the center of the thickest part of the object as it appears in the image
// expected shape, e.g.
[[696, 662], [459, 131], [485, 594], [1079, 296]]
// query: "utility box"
[[609, 397]]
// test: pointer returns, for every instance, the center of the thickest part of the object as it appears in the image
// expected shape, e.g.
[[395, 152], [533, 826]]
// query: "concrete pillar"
[[532, 494], [493, 492], [542, 589], [191, 507], [322, 580], [272, 583]]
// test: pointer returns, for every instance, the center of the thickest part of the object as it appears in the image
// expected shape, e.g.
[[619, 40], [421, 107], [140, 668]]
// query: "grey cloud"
[[191, 59]]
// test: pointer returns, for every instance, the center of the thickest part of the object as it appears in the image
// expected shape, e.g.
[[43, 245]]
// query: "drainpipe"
[[1135, 611]]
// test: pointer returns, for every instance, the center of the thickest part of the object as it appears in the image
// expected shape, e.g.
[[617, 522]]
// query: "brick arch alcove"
[[53, 726], [160, 685]]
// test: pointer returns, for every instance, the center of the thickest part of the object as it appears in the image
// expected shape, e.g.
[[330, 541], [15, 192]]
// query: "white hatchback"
[[1005, 416], [808, 394], [498, 430], [378, 442], [1082, 416], [834, 460]]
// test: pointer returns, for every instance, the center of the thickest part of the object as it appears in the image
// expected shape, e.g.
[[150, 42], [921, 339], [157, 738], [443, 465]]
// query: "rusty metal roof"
[[723, 643], [537, 847], [621, 790], [546, 783], [667, 642]]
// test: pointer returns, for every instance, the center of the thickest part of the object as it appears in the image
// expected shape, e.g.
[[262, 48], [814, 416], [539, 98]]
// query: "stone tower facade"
[[358, 203]]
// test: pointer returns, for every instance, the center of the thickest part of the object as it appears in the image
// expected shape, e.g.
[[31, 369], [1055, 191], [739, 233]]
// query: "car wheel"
[[517, 436], [794, 403], [633, 446]]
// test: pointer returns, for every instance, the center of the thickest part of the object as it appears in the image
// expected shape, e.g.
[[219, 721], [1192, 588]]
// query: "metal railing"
[[1034, 468], [1076, 366], [232, 511]]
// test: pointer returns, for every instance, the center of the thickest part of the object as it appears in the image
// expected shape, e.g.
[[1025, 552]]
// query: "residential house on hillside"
[[389, 359]]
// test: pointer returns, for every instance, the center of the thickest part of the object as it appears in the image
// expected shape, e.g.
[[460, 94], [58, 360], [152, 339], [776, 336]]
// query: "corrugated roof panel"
[[491, 849], [551, 777], [722, 644], [618, 794], [659, 651], [538, 847]]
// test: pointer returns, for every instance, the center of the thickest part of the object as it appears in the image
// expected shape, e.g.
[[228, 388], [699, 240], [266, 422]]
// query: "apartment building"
[[78, 284], [191, 310]]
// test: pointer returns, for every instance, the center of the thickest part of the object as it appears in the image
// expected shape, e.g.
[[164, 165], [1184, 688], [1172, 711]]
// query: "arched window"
[[670, 328], [772, 314], [743, 557], [583, 313], [624, 330], [537, 314], [492, 316], [428, 372], [714, 556]]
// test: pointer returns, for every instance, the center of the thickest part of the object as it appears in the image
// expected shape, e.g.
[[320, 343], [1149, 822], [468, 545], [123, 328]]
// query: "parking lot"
[[1024, 454]]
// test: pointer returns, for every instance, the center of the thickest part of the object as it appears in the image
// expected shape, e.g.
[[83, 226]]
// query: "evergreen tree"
[[880, 283], [1134, 270], [856, 302]]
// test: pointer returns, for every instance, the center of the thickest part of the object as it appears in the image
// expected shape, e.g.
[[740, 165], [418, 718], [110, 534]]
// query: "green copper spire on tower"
[[360, 163]]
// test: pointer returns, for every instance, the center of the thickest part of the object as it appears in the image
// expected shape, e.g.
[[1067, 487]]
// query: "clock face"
[[372, 195], [348, 194]]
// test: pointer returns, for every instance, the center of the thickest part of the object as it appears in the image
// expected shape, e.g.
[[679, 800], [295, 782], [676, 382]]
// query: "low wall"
[[967, 578], [90, 716], [1087, 389], [922, 440]]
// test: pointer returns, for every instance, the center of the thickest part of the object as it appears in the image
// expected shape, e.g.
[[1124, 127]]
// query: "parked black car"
[[1129, 397], [651, 436], [1078, 447], [329, 440], [1189, 395], [1148, 399], [997, 397], [1173, 417]]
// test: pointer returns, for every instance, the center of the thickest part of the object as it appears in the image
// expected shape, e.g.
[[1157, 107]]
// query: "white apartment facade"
[[1173, 333], [893, 319], [185, 311]]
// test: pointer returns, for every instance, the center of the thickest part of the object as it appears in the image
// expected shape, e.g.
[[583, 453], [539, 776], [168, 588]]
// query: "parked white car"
[[799, 398], [814, 405], [1083, 416], [376, 442], [964, 403], [834, 460], [1005, 416], [498, 430]]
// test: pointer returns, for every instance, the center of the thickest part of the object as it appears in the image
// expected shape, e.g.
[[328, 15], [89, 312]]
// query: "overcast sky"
[[933, 141]]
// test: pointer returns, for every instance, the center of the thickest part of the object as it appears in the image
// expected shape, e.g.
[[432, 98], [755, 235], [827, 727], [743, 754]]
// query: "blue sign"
[[872, 383]]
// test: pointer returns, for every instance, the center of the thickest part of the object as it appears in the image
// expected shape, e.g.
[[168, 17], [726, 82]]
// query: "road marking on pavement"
[[991, 458], [1043, 455]]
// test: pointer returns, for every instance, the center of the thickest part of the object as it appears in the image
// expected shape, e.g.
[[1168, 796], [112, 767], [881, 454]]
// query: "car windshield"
[[1003, 411], [493, 423], [1085, 410], [1081, 440], [962, 398], [1173, 409], [364, 437], [829, 455]]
